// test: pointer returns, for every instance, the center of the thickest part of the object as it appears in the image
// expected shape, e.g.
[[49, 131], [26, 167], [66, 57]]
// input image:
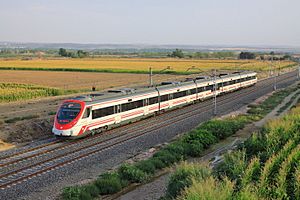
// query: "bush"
[[86, 192], [157, 163], [109, 183], [204, 136], [195, 150], [183, 176], [177, 148], [92, 190], [71, 193], [146, 166], [222, 128], [132, 174], [166, 157]]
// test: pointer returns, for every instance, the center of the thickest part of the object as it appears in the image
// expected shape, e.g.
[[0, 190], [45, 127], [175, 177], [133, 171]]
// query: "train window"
[[132, 105], [102, 112], [201, 89], [179, 94], [86, 113], [67, 112], [164, 98], [210, 87], [193, 91], [138, 104], [153, 100], [232, 82]]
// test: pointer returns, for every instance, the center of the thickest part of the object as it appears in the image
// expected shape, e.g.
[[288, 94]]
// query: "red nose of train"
[[68, 114]]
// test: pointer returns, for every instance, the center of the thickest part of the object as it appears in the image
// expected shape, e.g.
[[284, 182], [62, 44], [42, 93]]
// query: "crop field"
[[13, 92], [80, 80], [139, 65], [266, 166]]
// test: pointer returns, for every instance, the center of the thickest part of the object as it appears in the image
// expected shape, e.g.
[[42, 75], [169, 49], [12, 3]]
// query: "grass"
[[192, 144], [134, 65], [285, 106], [15, 119]]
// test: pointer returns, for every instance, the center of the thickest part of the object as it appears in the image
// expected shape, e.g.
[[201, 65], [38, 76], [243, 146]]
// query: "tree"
[[81, 53], [287, 57], [247, 55], [62, 52], [177, 53]]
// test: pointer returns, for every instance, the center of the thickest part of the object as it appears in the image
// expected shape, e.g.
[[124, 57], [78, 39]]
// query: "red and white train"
[[85, 115]]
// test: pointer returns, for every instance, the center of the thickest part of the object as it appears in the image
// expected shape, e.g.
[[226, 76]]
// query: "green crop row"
[[266, 166]]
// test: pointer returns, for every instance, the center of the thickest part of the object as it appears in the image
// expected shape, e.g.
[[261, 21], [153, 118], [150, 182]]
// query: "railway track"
[[36, 161]]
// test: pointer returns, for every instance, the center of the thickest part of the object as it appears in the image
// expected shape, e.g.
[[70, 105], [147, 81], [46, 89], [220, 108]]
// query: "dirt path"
[[157, 188]]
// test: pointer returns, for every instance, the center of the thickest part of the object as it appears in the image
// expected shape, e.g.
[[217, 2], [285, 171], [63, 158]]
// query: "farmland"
[[79, 80], [78, 75], [138, 65], [14, 92]]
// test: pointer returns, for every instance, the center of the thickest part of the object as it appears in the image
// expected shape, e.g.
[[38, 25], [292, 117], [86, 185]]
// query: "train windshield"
[[67, 112]]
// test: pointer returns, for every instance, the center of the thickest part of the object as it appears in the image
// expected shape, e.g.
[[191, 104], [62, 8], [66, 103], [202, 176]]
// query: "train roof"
[[115, 94]]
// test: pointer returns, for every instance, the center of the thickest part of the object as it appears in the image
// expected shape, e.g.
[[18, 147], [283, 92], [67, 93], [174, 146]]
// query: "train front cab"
[[71, 119]]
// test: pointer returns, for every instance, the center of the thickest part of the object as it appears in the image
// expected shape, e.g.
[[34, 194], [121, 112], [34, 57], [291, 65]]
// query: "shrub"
[[183, 176], [146, 166], [157, 163], [177, 148], [72, 193], [132, 174], [222, 128], [92, 190], [109, 183], [195, 149], [166, 157], [204, 136]]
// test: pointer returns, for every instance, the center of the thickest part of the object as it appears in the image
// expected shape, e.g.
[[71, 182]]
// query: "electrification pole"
[[215, 93], [212, 76], [151, 74], [150, 77]]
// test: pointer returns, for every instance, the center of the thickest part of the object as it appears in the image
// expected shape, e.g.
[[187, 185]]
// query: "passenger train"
[[91, 114]]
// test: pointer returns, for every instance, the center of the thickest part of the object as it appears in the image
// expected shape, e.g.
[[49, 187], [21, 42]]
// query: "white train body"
[[88, 115]]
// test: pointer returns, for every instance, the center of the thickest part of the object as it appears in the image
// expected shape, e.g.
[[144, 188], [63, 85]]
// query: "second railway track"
[[15, 174]]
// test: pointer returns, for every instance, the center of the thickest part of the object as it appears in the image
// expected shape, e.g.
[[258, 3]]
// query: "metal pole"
[[150, 77], [275, 77], [215, 93], [298, 71]]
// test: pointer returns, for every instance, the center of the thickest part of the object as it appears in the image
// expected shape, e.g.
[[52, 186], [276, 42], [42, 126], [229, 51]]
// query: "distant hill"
[[204, 48]]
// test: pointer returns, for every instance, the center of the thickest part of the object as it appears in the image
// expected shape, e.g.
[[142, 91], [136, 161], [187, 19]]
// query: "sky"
[[190, 22]]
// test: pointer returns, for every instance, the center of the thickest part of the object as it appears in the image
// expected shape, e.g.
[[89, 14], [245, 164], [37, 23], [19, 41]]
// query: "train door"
[[117, 114], [146, 108], [86, 117]]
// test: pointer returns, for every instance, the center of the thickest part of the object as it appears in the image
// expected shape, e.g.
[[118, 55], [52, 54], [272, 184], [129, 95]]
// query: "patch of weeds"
[[15, 119]]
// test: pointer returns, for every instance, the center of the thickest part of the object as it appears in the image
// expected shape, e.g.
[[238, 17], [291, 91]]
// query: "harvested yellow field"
[[139, 65], [80, 80]]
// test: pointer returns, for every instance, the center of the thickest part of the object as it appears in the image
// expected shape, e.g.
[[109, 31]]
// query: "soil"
[[80, 80]]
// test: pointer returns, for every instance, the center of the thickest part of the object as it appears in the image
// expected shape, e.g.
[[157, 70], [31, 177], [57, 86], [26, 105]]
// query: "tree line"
[[73, 54]]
